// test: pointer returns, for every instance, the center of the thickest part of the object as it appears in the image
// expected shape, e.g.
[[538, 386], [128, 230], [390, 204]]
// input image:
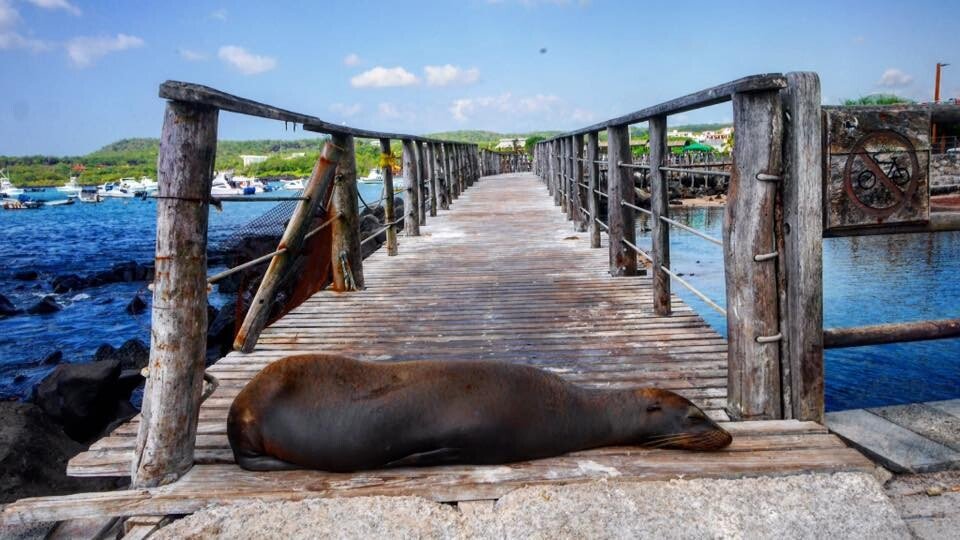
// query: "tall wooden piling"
[[421, 183], [178, 334], [579, 221], [659, 197], [434, 178], [623, 260], [411, 178], [802, 261], [593, 197], [345, 248], [750, 259], [388, 210], [448, 171]]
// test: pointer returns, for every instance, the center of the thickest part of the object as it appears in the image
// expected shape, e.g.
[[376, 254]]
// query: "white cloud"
[[346, 110], [10, 38], [894, 78], [191, 56], [219, 14], [57, 4], [381, 77], [246, 62], [84, 51], [450, 74], [540, 107], [351, 59]]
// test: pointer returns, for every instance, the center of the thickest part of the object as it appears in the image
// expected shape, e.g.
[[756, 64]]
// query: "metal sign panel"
[[877, 166]]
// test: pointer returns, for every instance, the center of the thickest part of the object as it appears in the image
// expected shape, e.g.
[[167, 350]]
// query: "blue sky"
[[79, 74]]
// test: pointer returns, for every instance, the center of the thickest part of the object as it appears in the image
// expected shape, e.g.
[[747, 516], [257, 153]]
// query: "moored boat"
[[72, 187], [295, 185], [90, 195], [20, 203], [7, 189]]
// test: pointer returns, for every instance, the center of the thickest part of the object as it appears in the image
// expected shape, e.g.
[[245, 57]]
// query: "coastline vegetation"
[[137, 157]]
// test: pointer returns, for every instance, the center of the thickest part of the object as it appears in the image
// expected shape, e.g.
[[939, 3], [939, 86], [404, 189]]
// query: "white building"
[[251, 160], [510, 144]]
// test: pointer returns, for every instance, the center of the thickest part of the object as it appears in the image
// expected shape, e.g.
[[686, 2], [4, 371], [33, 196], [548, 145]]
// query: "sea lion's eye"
[[653, 407]]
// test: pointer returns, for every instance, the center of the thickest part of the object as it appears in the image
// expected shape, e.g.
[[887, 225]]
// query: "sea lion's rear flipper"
[[440, 456], [265, 463]]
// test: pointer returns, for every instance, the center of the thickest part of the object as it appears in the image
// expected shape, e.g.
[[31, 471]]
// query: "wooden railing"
[[775, 219], [771, 235], [492, 162], [436, 172]]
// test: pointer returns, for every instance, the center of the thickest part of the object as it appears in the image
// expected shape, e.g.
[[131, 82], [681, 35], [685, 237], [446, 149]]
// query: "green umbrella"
[[698, 147]]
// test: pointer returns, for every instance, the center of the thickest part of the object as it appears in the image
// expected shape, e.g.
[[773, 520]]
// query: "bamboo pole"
[[171, 398], [292, 240]]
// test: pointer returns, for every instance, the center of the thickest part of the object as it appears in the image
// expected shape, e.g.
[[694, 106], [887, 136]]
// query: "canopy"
[[698, 147]]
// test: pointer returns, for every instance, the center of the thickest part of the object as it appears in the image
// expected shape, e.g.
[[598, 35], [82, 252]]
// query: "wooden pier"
[[501, 276]]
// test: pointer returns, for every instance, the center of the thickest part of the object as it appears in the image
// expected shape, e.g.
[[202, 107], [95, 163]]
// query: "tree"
[[877, 99], [531, 143]]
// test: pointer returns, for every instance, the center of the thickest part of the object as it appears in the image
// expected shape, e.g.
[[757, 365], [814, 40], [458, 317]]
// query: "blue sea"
[[867, 280], [82, 239]]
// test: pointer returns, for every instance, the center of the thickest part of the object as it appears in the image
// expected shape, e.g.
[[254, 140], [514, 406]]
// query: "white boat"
[[149, 184], [224, 185], [374, 177], [7, 189], [112, 190], [72, 187], [62, 202], [295, 185], [90, 195], [249, 182]]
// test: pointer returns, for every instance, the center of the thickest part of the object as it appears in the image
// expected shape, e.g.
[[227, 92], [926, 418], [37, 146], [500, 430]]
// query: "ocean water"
[[866, 280], [82, 239]]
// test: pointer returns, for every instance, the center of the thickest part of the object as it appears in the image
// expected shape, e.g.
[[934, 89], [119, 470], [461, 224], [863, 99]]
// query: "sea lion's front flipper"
[[440, 456], [265, 463]]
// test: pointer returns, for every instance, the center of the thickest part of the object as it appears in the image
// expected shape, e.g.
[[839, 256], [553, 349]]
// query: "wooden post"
[[293, 236], [411, 178], [443, 178], [421, 184], [593, 199], [178, 344], [345, 248], [623, 260], [388, 210], [448, 170], [565, 175], [802, 260], [659, 197], [555, 163], [579, 221], [750, 260], [432, 155]]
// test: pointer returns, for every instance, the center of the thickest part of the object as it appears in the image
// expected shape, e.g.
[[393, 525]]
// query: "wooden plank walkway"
[[501, 276], [914, 438]]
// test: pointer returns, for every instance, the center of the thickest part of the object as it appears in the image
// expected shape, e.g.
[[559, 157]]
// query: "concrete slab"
[[950, 406], [836, 506], [922, 419], [928, 503], [893, 446]]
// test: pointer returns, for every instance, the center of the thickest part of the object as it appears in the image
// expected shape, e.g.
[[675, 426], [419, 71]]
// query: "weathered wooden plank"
[[171, 398], [893, 446], [388, 207], [411, 179], [659, 205], [697, 100], [593, 198], [623, 261], [803, 253], [345, 251], [750, 258], [292, 239]]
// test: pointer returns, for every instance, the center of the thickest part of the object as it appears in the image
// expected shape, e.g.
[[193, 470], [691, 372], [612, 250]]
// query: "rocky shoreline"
[[77, 403]]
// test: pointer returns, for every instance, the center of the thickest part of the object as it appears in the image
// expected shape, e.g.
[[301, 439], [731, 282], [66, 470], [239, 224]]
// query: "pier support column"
[[593, 198], [659, 197], [411, 178], [345, 249], [178, 333], [623, 260], [388, 210]]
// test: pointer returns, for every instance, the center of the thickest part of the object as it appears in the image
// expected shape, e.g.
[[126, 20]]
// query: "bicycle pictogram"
[[881, 173]]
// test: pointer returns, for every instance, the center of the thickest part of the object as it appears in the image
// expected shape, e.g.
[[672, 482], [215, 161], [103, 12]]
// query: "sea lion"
[[337, 414]]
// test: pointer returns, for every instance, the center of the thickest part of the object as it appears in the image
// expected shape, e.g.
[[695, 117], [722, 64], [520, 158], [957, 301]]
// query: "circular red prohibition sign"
[[883, 186]]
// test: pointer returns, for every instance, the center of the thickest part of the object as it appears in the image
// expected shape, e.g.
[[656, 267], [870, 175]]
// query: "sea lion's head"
[[669, 420]]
